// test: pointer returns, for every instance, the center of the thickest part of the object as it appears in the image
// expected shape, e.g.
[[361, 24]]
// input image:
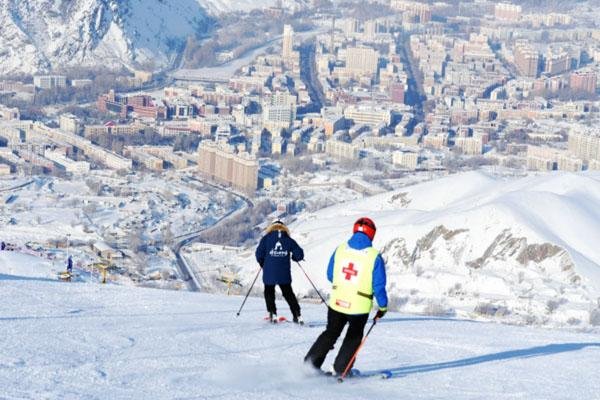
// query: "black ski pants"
[[288, 295], [325, 342]]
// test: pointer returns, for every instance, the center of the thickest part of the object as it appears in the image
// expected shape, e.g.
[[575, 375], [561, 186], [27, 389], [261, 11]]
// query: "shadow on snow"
[[538, 351]]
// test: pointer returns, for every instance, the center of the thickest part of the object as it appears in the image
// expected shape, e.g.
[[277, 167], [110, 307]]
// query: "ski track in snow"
[[87, 341]]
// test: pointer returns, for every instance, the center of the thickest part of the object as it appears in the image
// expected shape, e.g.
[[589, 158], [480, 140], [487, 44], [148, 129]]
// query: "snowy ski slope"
[[88, 341]]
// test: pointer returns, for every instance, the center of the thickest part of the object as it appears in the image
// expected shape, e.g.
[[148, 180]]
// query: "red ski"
[[279, 319]]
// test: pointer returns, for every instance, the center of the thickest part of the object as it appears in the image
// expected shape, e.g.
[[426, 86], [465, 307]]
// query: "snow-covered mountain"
[[518, 250], [90, 341], [38, 35]]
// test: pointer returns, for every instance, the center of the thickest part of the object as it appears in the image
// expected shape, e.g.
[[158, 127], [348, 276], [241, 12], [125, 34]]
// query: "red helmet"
[[366, 226]]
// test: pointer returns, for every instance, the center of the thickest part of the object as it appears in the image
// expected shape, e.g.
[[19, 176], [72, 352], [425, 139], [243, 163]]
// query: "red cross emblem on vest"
[[349, 271]]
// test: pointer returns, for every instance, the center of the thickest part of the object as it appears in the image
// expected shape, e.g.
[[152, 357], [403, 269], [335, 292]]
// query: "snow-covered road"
[[87, 341]]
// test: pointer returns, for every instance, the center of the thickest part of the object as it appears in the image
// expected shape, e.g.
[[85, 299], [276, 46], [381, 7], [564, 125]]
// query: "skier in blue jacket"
[[273, 255], [70, 265]]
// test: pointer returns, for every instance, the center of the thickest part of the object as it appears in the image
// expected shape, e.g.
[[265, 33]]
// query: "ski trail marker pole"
[[341, 378], [311, 282], [248, 294]]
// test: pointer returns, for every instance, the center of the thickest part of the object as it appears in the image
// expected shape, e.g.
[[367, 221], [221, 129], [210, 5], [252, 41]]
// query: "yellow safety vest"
[[353, 280]]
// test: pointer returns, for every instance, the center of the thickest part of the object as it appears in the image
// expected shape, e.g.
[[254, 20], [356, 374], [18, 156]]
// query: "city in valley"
[[159, 161]]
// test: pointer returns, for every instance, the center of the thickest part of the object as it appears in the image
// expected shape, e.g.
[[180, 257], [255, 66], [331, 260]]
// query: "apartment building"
[[96, 153], [221, 164], [406, 159], [342, 150], [279, 111], [368, 114], [471, 146], [166, 153], [9, 114], [585, 81], [69, 123], [287, 47], [508, 12], [550, 159], [149, 161], [585, 144], [557, 62], [71, 166], [112, 128], [527, 59], [362, 60], [49, 81], [421, 12]]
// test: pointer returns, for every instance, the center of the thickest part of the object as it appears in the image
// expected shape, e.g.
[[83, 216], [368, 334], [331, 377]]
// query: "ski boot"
[[273, 318]]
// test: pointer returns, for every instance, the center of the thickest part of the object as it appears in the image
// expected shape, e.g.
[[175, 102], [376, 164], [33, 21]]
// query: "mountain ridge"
[[39, 36]]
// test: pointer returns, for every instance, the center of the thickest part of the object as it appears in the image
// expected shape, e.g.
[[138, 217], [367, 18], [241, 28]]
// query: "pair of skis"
[[355, 373], [282, 319], [383, 374], [278, 320]]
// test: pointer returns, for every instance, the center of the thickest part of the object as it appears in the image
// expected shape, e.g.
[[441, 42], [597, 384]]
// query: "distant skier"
[[357, 272], [70, 265], [3, 245], [273, 255]]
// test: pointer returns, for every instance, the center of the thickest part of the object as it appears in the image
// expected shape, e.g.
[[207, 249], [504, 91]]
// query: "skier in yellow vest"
[[357, 273]]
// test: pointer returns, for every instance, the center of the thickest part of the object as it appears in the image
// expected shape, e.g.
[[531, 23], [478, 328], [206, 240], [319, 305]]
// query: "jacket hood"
[[359, 241], [278, 227]]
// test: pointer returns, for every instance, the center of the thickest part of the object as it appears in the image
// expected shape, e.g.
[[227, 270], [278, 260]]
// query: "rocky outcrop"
[[427, 241], [400, 199], [508, 247], [396, 250], [501, 276]]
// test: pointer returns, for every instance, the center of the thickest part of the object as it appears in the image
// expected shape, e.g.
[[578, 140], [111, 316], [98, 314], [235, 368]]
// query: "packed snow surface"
[[89, 341]]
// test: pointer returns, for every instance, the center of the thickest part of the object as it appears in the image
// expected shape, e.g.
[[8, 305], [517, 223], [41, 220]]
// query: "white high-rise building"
[[279, 112], [362, 60], [370, 29], [350, 26], [288, 43], [585, 144]]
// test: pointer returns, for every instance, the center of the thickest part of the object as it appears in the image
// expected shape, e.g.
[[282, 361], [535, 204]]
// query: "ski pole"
[[311, 282], [248, 294], [341, 378]]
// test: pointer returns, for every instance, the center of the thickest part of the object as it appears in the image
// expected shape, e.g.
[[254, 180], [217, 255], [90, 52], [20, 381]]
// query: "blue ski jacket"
[[273, 255], [361, 241]]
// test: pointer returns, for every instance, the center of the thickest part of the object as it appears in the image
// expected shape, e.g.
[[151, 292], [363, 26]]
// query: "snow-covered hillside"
[[38, 35], [89, 341], [518, 250], [17, 266], [472, 245]]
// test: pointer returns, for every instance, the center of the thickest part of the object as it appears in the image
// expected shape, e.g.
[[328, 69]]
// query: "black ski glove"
[[380, 313]]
